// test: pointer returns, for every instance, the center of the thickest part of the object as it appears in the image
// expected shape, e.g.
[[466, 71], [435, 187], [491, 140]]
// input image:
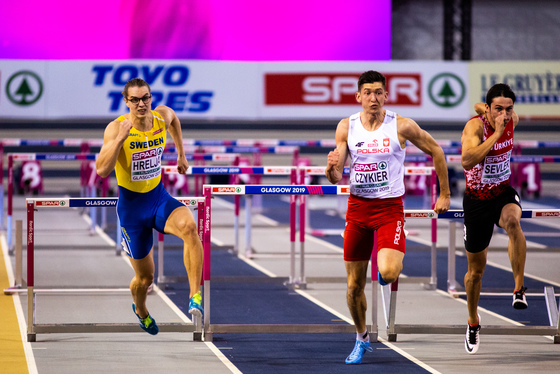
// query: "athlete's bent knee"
[[354, 290], [145, 281], [389, 273], [475, 276], [187, 228]]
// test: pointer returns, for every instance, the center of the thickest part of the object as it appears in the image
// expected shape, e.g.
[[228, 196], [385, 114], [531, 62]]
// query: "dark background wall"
[[501, 29]]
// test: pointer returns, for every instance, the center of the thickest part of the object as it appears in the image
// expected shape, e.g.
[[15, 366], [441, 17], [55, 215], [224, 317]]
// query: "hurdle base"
[[79, 328], [18, 288], [163, 281], [282, 328], [485, 330], [31, 338]]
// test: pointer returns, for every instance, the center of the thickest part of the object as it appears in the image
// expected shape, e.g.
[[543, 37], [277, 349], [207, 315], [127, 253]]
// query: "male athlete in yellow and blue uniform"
[[132, 146]]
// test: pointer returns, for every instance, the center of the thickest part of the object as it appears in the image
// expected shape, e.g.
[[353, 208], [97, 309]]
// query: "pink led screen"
[[237, 30]]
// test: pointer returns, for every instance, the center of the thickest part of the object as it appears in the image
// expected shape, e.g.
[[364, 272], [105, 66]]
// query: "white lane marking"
[[536, 277], [258, 267], [385, 342], [228, 364], [223, 358], [27, 348]]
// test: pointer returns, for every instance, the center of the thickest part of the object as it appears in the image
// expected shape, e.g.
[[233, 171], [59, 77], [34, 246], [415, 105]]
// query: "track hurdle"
[[240, 170], [230, 157], [32, 328], [32, 157], [430, 282], [197, 204], [210, 329], [390, 298]]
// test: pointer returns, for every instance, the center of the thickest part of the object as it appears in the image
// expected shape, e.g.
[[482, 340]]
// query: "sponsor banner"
[[536, 85], [419, 170], [343, 190], [100, 201], [52, 203], [23, 156], [420, 90], [280, 170], [291, 190], [228, 190], [91, 89], [24, 89], [552, 213], [187, 201]]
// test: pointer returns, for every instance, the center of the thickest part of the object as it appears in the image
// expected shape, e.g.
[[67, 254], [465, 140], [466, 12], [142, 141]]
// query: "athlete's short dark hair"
[[499, 90], [372, 76], [135, 82]]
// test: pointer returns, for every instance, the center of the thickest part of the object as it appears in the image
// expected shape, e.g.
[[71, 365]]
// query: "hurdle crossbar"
[[33, 328]]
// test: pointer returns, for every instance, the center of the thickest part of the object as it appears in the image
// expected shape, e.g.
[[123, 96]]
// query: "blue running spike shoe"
[[380, 279], [195, 305], [358, 352], [147, 324]]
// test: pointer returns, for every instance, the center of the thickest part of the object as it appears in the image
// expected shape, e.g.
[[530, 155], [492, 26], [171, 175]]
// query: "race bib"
[[496, 169], [146, 165], [371, 178]]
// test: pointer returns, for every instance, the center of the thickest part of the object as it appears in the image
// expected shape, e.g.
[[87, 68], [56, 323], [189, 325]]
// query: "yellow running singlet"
[[138, 165]]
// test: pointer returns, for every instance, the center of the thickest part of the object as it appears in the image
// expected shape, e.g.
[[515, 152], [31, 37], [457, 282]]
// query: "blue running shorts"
[[140, 213]]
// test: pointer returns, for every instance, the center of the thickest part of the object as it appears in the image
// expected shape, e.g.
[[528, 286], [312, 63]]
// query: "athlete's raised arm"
[[409, 130], [114, 137], [174, 128], [337, 158]]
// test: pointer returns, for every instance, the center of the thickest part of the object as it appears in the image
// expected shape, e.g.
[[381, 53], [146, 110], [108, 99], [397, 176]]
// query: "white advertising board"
[[229, 90]]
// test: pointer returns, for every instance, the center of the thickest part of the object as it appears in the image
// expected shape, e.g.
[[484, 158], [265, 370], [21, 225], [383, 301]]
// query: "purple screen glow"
[[235, 30]]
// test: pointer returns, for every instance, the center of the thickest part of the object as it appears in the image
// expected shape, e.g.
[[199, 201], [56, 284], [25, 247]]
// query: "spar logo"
[[336, 89], [229, 189], [547, 214], [447, 90], [46, 203], [24, 88]]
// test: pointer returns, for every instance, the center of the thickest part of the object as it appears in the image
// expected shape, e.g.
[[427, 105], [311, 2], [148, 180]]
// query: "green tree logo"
[[24, 88], [447, 90]]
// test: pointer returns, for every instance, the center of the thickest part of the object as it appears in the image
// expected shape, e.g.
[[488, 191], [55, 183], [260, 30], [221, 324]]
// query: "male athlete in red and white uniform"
[[489, 199], [376, 139]]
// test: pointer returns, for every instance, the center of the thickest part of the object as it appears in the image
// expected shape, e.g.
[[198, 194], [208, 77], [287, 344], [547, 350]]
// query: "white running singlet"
[[377, 169]]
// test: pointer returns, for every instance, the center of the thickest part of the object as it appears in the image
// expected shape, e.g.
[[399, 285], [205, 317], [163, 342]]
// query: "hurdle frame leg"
[[553, 311], [19, 283], [31, 335], [451, 274], [248, 207], [206, 275]]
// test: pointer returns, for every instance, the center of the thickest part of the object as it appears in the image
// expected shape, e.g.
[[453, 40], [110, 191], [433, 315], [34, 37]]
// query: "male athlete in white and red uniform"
[[376, 139], [489, 199]]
